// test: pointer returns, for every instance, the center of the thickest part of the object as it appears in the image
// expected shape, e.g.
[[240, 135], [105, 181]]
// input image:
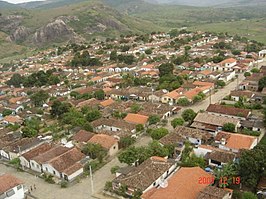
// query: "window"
[[154, 184], [114, 147], [54, 172], [10, 193], [19, 187], [46, 169]]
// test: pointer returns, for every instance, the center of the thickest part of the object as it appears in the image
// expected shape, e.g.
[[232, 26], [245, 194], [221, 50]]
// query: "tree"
[[156, 149], [229, 127], [236, 52], [157, 134], [39, 98], [16, 80], [220, 83], [188, 115], [148, 51], [93, 115], [139, 127], [166, 69], [94, 151], [249, 195], [197, 98], [114, 169], [177, 122], [135, 108], [255, 70], [32, 127], [262, 83], [113, 56], [6, 112], [225, 175], [129, 156], [246, 74], [126, 141], [29, 132], [59, 108], [99, 94], [154, 119], [251, 165], [183, 101]]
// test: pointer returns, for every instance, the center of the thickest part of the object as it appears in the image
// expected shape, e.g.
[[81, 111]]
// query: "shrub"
[[177, 122], [229, 127], [64, 184]]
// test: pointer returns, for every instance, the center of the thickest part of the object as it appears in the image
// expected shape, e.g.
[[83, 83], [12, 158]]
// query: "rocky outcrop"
[[10, 23], [56, 30], [20, 34]]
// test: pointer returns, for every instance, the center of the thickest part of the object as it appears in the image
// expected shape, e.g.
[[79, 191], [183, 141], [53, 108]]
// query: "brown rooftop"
[[226, 110], [8, 182], [37, 151], [211, 192]]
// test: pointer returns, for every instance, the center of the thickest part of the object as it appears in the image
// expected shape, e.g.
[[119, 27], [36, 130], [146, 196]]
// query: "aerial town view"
[[133, 99]]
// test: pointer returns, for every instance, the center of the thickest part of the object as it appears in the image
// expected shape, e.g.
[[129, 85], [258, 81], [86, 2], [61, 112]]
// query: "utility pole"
[[92, 188], [211, 96], [19, 151]]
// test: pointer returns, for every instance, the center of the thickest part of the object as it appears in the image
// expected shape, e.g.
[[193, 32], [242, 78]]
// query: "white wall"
[[164, 176], [4, 154], [200, 152], [113, 150], [35, 166], [75, 174], [24, 162], [17, 193], [47, 168]]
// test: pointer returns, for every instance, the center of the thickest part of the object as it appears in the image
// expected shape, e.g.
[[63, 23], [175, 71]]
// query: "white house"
[[11, 187]]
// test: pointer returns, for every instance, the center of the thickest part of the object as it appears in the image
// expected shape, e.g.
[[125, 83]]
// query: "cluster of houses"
[[159, 176], [156, 176]]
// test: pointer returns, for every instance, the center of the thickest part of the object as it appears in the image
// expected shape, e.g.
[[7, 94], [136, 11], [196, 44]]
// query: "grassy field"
[[9, 49], [253, 29]]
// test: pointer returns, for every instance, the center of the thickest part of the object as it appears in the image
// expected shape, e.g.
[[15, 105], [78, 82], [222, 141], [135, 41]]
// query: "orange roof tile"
[[136, 118], [106, 141], [107, 102], [184, 184], [205, 72], [8, 182], [229, 60], [199, 83]]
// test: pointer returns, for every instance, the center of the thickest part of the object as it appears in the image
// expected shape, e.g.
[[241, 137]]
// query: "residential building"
[[212, 122], [107, 142], [11, 187], [228, 111], [184, 184], [235, 142], [148, 175]]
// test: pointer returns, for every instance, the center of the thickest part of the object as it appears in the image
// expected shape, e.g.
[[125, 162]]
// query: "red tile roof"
[[8, 182], [105, 141], [236, 141], [82, 136], [107, 102], [136, 118], [226, 110], [184, 184]]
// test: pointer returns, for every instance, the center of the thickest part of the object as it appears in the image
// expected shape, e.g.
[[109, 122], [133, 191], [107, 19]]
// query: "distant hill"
[[49, 3], [5, 5], [211, 3]]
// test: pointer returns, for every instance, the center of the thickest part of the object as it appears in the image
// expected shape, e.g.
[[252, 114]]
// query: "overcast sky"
[[19, 1]]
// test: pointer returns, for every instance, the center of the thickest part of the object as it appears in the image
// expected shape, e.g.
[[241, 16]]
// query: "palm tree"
[[225, 175]]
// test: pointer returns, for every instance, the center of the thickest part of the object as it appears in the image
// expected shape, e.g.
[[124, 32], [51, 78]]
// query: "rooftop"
[[8, 182], [184, 184]]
